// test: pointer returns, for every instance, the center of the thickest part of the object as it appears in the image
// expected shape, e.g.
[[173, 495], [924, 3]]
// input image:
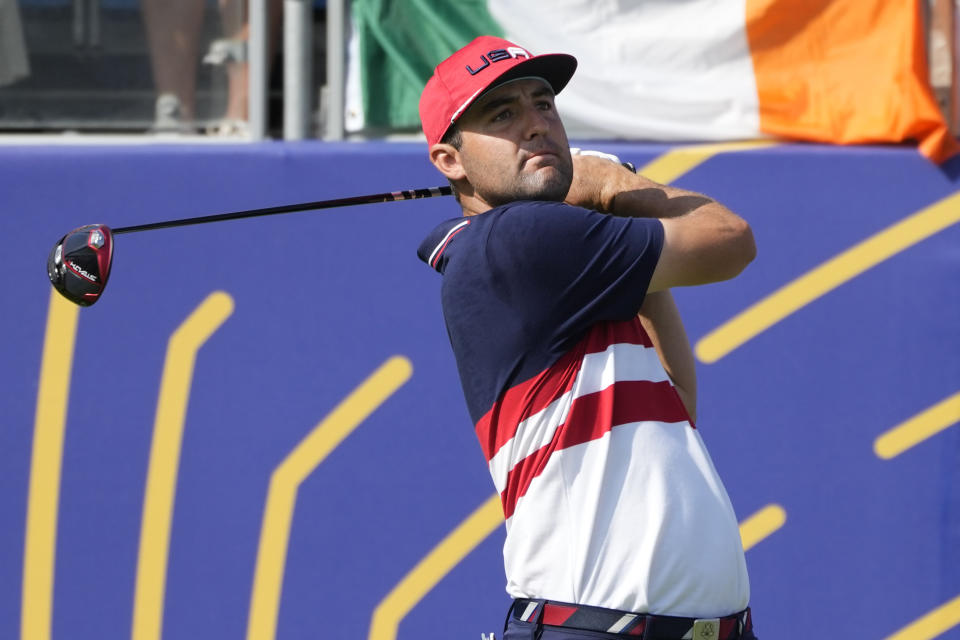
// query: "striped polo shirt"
[[609, 494]]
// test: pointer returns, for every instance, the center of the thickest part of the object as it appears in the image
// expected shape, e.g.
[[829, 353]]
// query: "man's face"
[[514, 146]]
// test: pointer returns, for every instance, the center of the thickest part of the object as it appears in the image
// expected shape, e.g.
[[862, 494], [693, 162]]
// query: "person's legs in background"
[[236, 28], [14, 63], [173, 35]]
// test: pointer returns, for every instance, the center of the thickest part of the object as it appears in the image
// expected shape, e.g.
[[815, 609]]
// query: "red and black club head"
[[79, 264]]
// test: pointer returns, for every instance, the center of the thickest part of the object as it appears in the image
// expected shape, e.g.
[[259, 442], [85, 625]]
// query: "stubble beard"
[[545, 185]]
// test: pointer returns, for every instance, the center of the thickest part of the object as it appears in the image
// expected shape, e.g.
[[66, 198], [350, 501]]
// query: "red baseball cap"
[[482, 65]]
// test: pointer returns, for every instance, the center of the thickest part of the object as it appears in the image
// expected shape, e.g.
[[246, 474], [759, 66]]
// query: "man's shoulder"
[[512, 218], [436, 241], [535, 209], [525, 220]]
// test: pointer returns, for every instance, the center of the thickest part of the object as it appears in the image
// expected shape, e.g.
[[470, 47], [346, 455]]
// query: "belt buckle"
[[706, 629]]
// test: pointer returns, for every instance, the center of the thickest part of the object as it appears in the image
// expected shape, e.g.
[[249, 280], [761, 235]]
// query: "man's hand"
[[597, 179], [602, 183]]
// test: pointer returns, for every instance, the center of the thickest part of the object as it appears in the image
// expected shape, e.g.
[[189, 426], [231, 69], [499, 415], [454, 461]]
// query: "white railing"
[[298, 69]]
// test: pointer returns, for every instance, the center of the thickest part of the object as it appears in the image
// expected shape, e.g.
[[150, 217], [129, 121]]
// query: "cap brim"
[[555, 68]]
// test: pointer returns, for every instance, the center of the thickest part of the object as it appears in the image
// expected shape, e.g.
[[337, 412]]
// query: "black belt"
[[637, 625]]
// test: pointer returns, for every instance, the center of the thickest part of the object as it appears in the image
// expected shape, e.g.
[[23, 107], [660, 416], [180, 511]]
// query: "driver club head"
[[79, 264]]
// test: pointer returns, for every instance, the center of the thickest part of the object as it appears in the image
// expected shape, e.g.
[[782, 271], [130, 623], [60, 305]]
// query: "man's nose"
[[535, 122]]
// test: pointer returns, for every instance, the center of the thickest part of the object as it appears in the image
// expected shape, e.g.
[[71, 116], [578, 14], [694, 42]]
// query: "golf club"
[[79, 263]]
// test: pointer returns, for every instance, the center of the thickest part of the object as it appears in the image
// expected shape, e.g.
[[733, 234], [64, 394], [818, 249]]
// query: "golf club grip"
[[392, 196]]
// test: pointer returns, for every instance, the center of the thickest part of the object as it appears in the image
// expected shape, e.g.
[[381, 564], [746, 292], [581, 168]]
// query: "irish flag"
[[835, 71]]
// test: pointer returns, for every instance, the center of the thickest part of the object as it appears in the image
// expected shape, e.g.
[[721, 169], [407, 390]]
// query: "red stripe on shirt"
[[530, 397], [590, 417]]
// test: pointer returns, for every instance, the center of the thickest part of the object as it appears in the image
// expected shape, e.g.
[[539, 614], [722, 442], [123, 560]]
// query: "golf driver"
[[79, 264]]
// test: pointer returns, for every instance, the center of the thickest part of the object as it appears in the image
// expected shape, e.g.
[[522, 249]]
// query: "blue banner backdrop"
[[199, 430]]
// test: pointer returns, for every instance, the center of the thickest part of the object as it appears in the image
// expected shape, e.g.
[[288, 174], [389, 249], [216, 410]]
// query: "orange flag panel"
[[845, 71]]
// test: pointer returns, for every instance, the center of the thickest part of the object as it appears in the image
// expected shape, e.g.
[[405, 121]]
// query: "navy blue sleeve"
[[565, 268]]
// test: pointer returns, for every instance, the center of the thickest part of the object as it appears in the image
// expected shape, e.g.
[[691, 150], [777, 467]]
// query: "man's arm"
[[703, 240], [660, 318]]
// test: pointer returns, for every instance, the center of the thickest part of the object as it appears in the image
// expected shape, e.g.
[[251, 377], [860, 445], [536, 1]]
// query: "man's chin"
[[553, 186], [547, 185]]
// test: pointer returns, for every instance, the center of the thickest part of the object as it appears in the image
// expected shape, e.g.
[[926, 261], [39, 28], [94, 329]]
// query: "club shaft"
[[392, 196]]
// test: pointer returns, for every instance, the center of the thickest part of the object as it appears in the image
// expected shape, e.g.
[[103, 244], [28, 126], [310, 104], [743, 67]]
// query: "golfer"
[[574, 362]]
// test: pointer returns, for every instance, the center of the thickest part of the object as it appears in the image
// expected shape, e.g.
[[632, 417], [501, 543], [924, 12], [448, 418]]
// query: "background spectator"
[[173, 33], [13, 51]]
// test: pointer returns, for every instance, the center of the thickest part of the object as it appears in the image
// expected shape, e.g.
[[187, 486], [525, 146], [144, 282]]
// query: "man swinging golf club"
[[574, 362]]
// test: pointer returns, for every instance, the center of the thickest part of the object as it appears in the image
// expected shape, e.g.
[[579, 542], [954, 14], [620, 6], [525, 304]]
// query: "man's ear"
[[446, 158]]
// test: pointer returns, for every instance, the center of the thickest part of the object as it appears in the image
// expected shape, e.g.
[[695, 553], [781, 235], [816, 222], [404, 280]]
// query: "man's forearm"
[[606, 186], [703, 240], [661, 319], [644, 198]]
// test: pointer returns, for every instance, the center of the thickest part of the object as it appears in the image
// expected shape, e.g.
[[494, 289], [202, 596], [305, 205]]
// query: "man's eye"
[[545, 105], [502, 115]]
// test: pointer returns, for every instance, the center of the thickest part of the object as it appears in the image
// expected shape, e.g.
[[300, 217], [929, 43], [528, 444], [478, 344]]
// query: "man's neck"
[[473, 205]]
